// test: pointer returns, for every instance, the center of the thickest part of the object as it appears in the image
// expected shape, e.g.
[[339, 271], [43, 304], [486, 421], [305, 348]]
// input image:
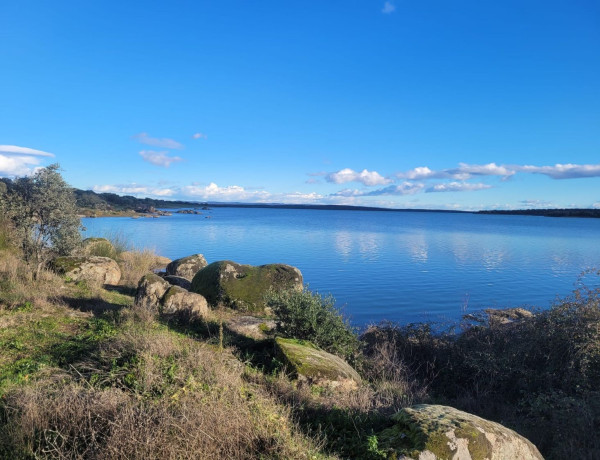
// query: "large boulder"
[[150, 291], [307, 362], [93, 269], [177, 301], [432, 432], [187, 267], [178, 281], [243, 287]]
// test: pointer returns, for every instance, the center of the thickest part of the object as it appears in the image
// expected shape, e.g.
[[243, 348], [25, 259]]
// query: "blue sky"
[[406, 104]]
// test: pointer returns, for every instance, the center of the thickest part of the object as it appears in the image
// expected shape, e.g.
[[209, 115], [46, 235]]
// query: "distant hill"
[[87, 199], [579, 212]]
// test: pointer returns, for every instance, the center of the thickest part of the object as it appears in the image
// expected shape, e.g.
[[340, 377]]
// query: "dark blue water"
[[405, 266]]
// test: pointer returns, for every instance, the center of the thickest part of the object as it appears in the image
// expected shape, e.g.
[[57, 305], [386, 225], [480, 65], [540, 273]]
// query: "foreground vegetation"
[[84, 373]]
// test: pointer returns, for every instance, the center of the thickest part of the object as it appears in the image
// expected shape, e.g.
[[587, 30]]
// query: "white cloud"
[[134, 189], [421, 172], [388, 8], [17, 165], [537, 204], [465, 171], [365, 177], [20, 161], [164, 142], [229, 193], [199, 136], [457, 187], [596, 205], [405, 188], [560, 171], [16, 150], [159, 158]]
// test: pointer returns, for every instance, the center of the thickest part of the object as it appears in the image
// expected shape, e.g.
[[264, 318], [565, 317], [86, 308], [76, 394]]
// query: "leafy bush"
[[309, 316]]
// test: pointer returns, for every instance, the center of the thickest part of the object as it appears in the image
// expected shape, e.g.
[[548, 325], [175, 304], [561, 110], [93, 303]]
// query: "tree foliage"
[[44, 214]]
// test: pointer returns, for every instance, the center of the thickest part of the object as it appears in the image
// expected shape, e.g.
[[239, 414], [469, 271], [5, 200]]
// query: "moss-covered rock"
[[436, 432], [187, 267], [178, 301], [308, 362], [243, 287], [93, 269], [150, 292]]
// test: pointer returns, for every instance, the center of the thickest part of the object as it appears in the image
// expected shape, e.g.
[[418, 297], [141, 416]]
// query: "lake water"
[[400, 266]]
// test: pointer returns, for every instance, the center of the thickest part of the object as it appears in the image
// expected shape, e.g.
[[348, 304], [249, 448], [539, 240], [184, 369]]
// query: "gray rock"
[[307, 362], [187, 267], [179, 301], [150, 291], [243, 287], [178, 281], [93, 269], [433, 432], [251, 326]]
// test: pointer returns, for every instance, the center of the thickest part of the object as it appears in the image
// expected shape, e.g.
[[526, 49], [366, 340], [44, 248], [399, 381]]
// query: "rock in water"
[[308, 362], [243, 287], [433, 432], [187, 267], [94, 269]]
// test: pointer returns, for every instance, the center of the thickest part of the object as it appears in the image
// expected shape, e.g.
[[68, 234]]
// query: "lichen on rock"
[[442, 432], [186, 267]]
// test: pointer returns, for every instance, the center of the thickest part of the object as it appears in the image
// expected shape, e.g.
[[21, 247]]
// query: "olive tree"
[[44, 213]]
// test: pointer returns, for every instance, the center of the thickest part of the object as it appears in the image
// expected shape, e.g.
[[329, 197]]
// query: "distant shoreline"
[[93, 204]]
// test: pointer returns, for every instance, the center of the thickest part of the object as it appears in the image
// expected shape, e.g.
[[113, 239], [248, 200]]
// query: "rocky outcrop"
[[177, 301], [507, 315], [158, 296], [178, 281], [307, 362], [432, 432], [243, 287], [187, 267], [93, 269], [150, 291]]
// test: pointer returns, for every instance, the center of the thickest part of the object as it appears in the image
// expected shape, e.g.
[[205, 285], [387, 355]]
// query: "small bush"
[[309, 316]]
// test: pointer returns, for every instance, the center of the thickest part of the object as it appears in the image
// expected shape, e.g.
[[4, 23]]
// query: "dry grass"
[[18, 287], [150, 394], [135, 264]]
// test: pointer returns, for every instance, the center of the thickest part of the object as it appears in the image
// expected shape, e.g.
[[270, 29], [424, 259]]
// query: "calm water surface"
[[405, 266]]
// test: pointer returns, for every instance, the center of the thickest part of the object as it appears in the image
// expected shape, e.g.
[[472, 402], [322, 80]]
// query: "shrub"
[[309, 316]]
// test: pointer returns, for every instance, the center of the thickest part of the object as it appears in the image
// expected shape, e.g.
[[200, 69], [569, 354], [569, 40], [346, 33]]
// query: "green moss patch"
[[306, 360], [243, 287]]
